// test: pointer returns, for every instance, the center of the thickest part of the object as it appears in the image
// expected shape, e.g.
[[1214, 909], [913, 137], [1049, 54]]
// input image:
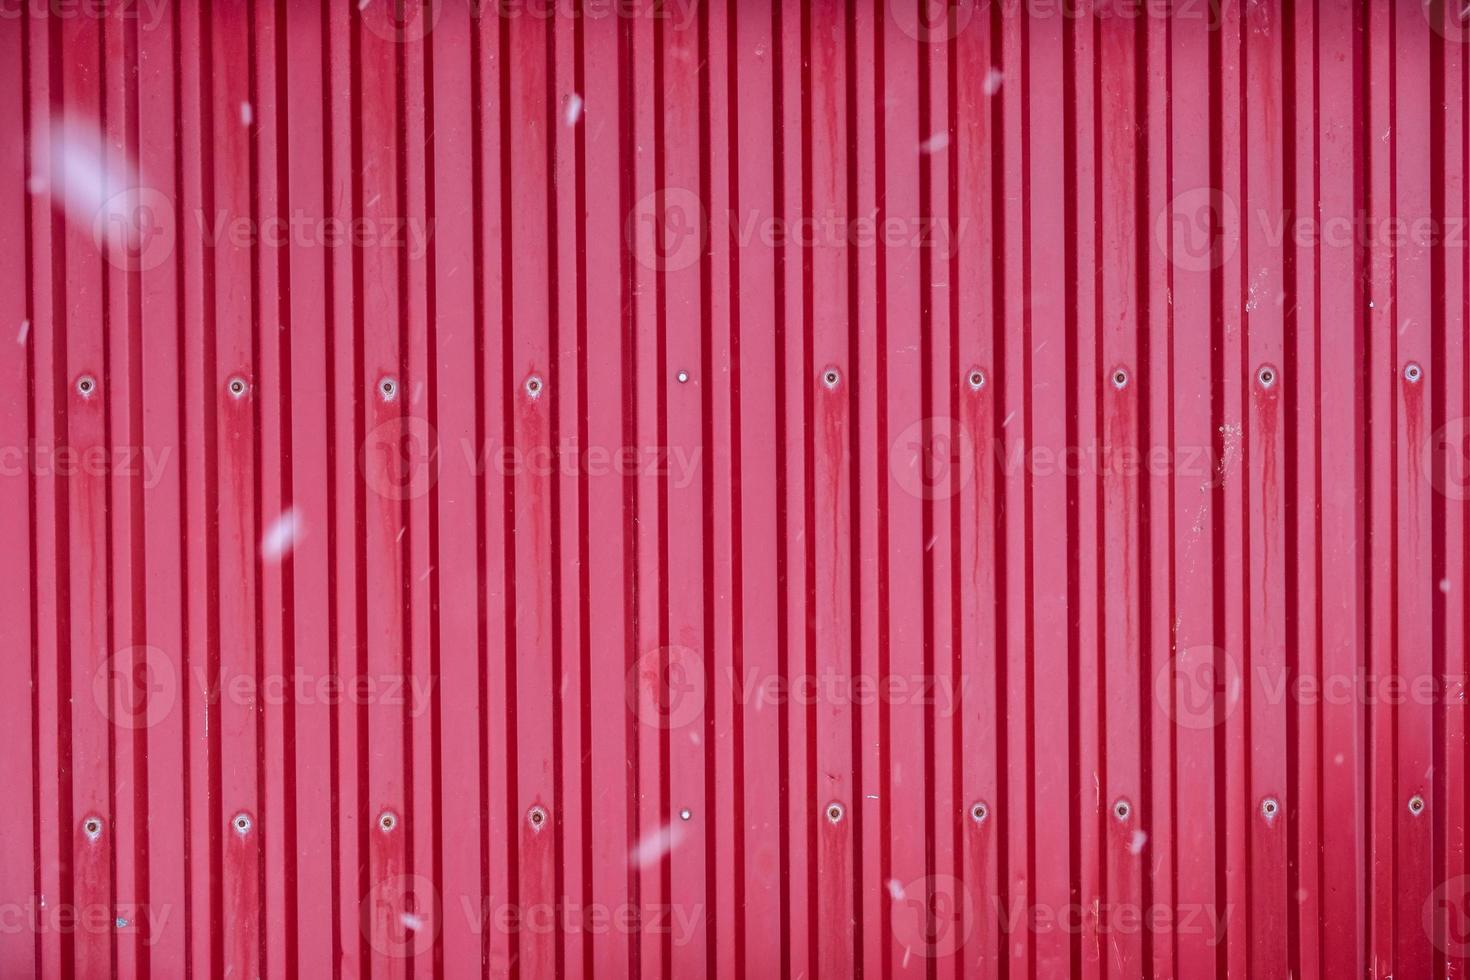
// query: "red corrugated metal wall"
[[604, 487]]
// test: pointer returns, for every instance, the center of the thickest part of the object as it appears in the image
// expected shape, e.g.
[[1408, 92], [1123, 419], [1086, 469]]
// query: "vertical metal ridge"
[[584, 558], [738, 933]]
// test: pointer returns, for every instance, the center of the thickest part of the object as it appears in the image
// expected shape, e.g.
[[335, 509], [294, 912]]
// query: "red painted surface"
[[760, 489]]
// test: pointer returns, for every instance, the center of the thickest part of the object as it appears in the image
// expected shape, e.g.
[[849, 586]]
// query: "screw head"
[[1122, 809], [1120, 379], [976, 379], [1413, 372], [1266, 376], [534, 385], [86, 385], [237, 387], [92, 827], [830, 377], [682, 377], [979, 812], [241, 823], [1269, 807], [387, 820], [537, 817], [388, 389], [1416, 805], [684, 814], [834, 812]]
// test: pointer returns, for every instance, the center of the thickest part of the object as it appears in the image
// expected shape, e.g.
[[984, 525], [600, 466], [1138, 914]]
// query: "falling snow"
[[653, 847], [934, 143], [88, 185], [281, 536]]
